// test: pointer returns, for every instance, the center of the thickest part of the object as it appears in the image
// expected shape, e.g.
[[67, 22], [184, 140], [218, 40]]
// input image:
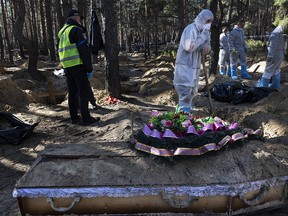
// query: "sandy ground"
[[147, 86]]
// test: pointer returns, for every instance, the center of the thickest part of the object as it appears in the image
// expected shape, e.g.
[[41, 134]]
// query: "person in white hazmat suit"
[[195, 41], [224, 55], [275, 56], [238, 49]]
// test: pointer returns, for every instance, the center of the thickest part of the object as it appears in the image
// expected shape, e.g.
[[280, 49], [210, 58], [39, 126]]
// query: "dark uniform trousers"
[[78, 86]]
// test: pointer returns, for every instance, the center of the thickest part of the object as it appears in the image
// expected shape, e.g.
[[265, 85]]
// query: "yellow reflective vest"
[[68, 52]]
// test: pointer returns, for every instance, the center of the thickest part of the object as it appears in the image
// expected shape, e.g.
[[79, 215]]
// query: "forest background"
[[29, 27]]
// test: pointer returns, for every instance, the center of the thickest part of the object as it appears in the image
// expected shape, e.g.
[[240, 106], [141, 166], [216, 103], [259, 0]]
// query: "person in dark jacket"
[[75, 58]]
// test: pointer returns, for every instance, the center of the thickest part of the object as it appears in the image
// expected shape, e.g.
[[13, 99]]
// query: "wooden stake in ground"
[[51, 92], [211, 110]]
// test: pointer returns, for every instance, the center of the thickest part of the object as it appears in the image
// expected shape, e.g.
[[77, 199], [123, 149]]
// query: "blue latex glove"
[[90, 74]]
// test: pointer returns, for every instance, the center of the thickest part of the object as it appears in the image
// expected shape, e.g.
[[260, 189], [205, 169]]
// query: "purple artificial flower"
[[190, 117], [155, 113], [186, 123], [151, 125], [167, 123]]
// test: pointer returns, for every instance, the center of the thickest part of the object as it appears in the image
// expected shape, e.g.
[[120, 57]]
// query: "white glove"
[[204, 35]]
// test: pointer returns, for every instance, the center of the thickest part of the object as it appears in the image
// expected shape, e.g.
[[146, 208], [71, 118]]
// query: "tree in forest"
[[30, 44], [1, 47], [44, 41], [113, 85], [6, 33], [51, 43], [181, 17]]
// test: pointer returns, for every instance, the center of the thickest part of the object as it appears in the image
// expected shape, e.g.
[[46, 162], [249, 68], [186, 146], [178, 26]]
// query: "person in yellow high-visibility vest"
[[75, 57]]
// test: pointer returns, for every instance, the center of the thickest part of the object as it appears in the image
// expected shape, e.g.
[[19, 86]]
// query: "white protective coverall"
[[224, 55], [194, 40], [275, 56], [238, 49]]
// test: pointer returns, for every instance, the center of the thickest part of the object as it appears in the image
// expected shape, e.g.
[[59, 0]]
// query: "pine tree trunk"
[[51, 43], [181, 18], [9, 47], [28, 44], [113, 85], [1, 47], [215, 33], [60, 19], [66, 6], [44, 27]]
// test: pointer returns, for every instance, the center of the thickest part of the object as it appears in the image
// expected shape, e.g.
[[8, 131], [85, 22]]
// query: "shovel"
[[211, 110]]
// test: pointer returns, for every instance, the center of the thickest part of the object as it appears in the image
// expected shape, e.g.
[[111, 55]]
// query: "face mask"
[[207, 26]]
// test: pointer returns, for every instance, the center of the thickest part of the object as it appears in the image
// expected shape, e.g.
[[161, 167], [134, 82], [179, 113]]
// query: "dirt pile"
[[12, 95]]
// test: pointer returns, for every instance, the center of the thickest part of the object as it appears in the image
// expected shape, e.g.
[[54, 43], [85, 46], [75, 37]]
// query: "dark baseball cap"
[[75, 13]]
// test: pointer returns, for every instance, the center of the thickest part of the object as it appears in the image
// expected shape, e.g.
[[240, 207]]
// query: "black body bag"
[[235, 92], [13, 130]]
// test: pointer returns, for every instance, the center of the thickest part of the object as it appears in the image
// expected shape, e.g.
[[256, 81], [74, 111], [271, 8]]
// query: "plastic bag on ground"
[[235, 92], [13, 130]]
